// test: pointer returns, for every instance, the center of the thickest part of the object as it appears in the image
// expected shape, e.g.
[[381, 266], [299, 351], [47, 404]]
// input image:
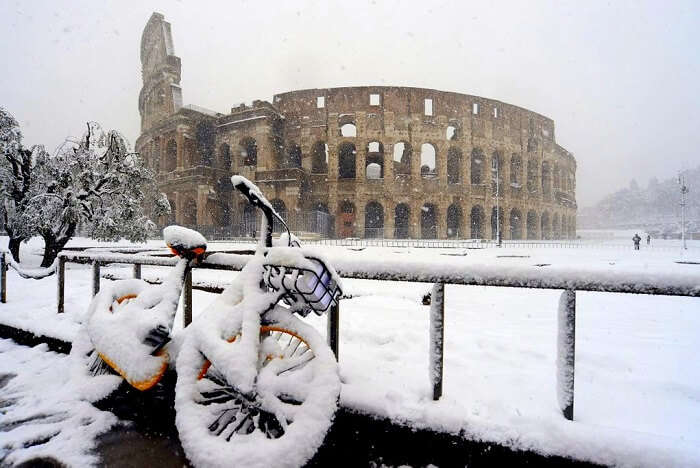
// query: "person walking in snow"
[[648, 239], [636, 239]]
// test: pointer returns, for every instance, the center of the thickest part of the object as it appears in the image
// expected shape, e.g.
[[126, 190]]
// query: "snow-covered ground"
[[637, 396]]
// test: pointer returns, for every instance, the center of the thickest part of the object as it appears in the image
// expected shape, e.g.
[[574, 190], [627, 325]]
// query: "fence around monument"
[[439, 274]]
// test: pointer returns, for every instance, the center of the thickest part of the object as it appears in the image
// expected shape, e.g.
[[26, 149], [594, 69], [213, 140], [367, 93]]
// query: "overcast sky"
[[621, 80]]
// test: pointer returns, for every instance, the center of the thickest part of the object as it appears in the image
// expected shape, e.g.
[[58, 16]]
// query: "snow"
[[636, 393], [42, 415]]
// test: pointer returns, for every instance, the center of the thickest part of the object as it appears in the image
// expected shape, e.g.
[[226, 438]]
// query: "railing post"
[[61, 283], [3, 278], [187, 306], [95, 277], [333, 333], [437, 335], [566, 346], [137, 271]]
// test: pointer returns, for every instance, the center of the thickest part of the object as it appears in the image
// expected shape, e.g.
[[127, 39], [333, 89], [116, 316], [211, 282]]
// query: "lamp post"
[[497, 165], [684, 191]]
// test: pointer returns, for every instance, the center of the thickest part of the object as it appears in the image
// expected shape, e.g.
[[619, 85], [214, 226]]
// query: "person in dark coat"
[[648, 239], [636, 239]]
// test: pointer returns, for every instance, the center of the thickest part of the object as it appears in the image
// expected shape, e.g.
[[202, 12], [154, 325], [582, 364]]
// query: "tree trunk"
[[52, 245], [14, 247]]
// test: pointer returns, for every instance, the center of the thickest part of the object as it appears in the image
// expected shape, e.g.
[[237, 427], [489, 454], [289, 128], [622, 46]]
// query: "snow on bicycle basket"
[[307, 285]]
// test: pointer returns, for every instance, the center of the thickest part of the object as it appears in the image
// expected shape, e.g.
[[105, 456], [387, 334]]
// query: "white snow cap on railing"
[[29, 273]]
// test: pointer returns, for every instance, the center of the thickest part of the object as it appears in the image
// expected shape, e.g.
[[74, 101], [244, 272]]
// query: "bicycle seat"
[[183, 242]]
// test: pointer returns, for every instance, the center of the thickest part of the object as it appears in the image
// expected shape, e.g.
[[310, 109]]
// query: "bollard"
[[187, 306], [60, 283], [333, 332], [95, 278], [3, 278], [437, 336], [137, 271], [566, 347]]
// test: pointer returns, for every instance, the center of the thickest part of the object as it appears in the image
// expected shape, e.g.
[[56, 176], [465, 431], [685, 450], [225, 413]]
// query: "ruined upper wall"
[[408, 102]]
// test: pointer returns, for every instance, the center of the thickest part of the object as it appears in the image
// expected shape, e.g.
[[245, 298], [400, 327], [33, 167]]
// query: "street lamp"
[[496, 165], [684, 191]]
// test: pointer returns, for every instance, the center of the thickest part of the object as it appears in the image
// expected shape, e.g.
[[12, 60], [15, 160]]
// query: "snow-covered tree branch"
[[95, 184]]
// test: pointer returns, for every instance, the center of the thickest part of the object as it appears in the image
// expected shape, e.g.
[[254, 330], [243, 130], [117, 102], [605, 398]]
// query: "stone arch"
[[171, 155], [564, 227], [402, 158], [516, 224], [189, 211], [453, 131], [293, 159], [545, 226], [319, 158], [428, 161], [374, 220], [556, 177], [402, 220], [546, 178], [249, 151], [477, 165], [454, 221], [476, 221], [346, 218], [429, 221], [348, 130], [374, 161], [531, 225], [205, 135], [454, 165], [516, 170], [556, 227], [501, 222], [346, 160], [532, 176], [532, 145], [190, 153], [224, 161]]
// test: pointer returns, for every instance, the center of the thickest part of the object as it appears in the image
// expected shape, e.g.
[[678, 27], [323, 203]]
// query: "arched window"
[[453, 131], [346, 161], [516, 169], [249, 152], [427, 161], [428, 221], [189, 212], [319, 158], [374, 220], [557, 178], [225, 157], [402, 218], [374, 168], [402, 158], [170, 155], [546, 178], [532, 176], [454, 221], [348, 130], [454, 165], [476, 221], [516, 224], [205, 135], [294, 156], [477, 163]]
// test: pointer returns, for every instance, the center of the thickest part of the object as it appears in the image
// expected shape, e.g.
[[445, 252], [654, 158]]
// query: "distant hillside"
[[655, 207]]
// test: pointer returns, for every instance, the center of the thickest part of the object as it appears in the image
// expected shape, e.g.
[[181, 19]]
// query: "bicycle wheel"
[[285, 419]]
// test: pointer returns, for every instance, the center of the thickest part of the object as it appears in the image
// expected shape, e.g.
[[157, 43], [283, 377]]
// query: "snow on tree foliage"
[[17, 166], [97, 184]]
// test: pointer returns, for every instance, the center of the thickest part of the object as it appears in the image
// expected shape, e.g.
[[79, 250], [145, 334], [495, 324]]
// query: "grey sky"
[[620, 79]]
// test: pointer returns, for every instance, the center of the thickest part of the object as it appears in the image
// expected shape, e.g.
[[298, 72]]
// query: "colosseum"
[[373, 161]]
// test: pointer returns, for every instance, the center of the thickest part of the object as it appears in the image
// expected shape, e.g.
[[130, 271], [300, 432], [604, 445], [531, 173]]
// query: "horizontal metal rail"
[[453, 271]]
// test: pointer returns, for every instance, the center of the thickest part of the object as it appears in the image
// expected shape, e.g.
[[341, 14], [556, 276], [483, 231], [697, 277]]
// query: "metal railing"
[[439, 273]]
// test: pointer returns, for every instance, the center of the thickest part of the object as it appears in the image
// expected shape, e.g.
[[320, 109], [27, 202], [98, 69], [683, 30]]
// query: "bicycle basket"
[[304, 289]]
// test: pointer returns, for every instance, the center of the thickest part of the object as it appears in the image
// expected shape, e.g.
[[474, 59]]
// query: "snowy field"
[[637, 397]]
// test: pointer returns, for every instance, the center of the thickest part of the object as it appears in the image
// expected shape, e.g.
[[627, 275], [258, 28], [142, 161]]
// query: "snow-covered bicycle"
[[126, 333], [256, 385]]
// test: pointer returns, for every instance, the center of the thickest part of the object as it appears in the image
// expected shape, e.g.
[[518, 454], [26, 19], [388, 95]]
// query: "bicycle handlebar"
[[257, 199]]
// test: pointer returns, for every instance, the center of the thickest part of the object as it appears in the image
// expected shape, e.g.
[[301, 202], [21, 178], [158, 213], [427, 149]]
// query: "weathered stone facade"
[[381, 160]]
